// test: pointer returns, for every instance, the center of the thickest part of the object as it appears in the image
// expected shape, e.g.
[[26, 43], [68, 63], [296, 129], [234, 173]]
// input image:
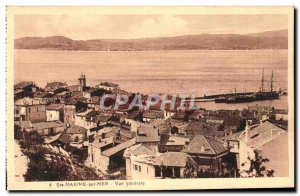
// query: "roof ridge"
[[210, 144]]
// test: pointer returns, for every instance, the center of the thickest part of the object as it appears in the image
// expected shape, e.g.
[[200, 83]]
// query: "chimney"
[[202, 149], [247, 131], [261, 122]]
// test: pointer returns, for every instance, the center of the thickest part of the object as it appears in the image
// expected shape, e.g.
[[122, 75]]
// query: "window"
[[157, 171], [17, 111], [28, 110], [51, 131], [137, 168]]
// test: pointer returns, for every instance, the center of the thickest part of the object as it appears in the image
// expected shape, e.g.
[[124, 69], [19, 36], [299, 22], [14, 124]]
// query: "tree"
[[257, 167]]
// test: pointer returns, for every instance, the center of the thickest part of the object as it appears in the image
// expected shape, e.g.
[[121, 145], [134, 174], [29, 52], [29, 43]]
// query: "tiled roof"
[[118, 148], [22, 85], [24, 124], [176, 140], [179, 115], [205, 146], [46, 125], [138, 150], [262, 134], [281, 111], [174, 122], [200, 128], [99, 142], [232, 121], [54, 85], [133, 115], [147, 133], [106, 130], [86, 113], [156, 107], [75, 129], [234, 136], [150, 156], [73, 87], [143, 150], [153, 114], [55, 106], [126, 133], [94, 100], [176, 159], [64, 138], [42, 94]]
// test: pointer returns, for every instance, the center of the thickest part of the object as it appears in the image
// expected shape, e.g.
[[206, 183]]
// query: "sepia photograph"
[[146, 98]]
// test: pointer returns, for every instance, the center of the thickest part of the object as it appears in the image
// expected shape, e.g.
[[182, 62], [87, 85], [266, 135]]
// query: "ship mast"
[[272, 81], [262, 81]]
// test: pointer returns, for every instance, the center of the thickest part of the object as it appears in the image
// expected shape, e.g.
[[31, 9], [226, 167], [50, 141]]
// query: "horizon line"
[[245, 34]]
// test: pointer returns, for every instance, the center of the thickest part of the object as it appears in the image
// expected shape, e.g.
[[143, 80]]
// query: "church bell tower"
[[81, 83]]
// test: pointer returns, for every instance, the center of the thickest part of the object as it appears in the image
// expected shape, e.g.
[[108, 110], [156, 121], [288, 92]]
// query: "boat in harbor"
[[235, 99], [250, 97]]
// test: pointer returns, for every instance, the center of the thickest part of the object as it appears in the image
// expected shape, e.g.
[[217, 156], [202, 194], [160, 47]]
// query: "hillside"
[[263, 40]]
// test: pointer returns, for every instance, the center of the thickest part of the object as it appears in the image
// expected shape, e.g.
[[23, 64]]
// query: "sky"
[[85, 27]]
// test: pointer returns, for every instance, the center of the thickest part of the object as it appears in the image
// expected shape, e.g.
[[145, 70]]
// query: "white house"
[[104, 153], [146, 163], [95, 150], [87, 119], [55, 112], [255, 139]]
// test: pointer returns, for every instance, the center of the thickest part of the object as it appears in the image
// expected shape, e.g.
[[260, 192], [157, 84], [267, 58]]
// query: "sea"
[[180, 72]]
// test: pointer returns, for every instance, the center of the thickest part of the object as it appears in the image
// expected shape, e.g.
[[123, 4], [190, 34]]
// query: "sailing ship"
[[262, 94]]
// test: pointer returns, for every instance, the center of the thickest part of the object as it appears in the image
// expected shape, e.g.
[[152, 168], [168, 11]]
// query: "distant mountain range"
[[264, 40]]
